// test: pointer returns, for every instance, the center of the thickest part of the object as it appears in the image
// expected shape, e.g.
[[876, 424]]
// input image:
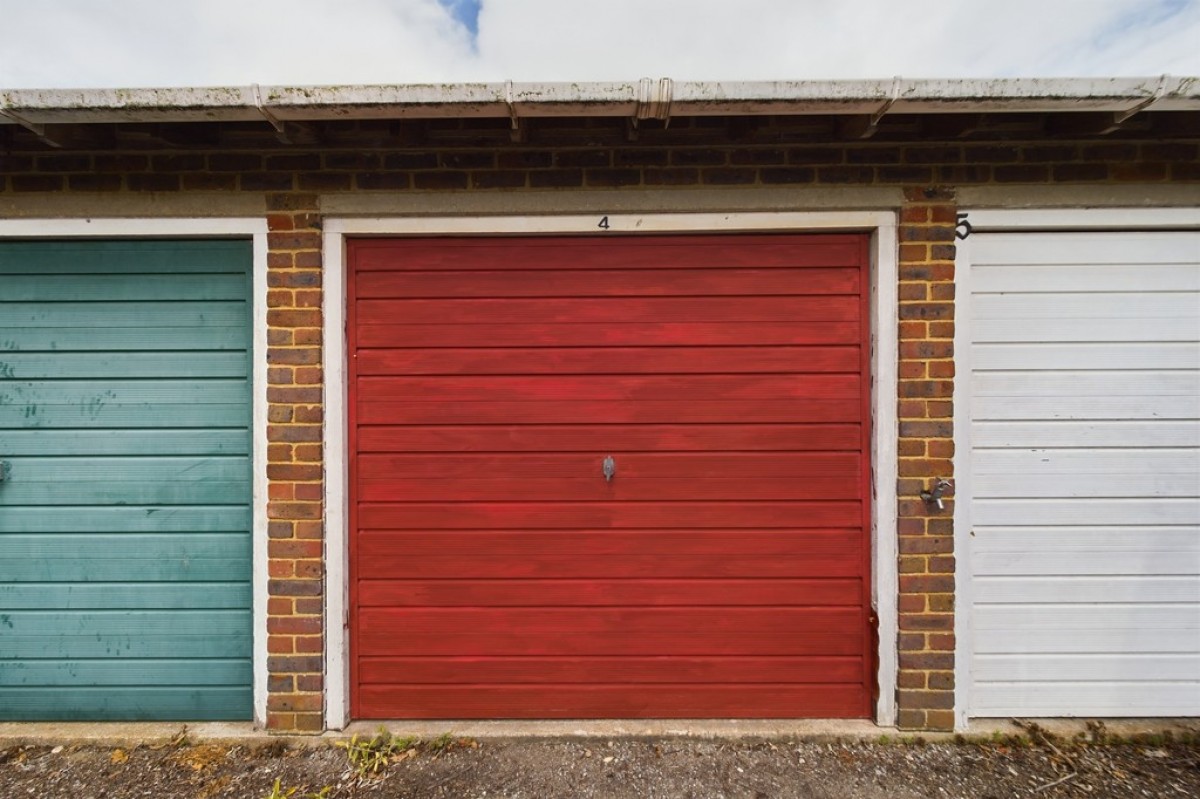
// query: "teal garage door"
[[125, 416]]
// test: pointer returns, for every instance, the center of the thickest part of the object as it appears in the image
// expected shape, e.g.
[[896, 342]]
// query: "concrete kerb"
[[128, 734]]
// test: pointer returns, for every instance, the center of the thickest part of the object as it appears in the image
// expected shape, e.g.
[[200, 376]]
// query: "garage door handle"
[[5, 470], [608, 469]]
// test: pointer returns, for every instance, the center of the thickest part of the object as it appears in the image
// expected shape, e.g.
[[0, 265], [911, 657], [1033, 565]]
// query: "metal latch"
[[608, 469]]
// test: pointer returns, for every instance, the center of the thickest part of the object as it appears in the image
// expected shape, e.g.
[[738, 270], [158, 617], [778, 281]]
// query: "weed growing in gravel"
[[279, 792], [371, 756], [441, 743]]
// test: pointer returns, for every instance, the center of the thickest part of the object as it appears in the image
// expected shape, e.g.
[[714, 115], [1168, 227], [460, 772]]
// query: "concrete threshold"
[[245, 733]]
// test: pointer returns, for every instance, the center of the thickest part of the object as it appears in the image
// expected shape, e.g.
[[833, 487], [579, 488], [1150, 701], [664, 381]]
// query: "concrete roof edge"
[[644, 98]]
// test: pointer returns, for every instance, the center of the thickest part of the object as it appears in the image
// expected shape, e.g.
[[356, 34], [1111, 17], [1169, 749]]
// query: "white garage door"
[[1084, 475]]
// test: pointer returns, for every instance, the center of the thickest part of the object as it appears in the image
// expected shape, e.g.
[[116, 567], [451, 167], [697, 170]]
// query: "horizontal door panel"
[[88, 257], [1084, 699], [611, 311], [501, 466], [682, 389], [396, 332], [627, 488], [611, 360], [126, 339], [601, 670], [600, 515], [1107, 356], [616, 701], [88, 315], [608, 412], [26, 493], [124, 287], [1118, 277], [1085, 434], [650, 591], [153, 703], [117, 442], [127, 519], [1127, 588], [112, 366], [1085, 304], [817, 564], [1086, 248], [1106, 667], [609, 631], [1129, 484], [189, 569], [125, 595], [144, 672], [615, 437], [680, 282], [1150, 328], [625, 252], [1084, 511]]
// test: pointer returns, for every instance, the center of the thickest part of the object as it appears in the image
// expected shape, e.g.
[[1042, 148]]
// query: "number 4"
[[603, 223]]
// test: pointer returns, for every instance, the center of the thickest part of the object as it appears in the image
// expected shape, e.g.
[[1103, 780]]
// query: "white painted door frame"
[[882, 226], [213, 228], [994, 221]]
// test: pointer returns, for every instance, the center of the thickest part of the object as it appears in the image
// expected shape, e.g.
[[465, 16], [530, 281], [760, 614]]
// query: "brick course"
[[561, 154]]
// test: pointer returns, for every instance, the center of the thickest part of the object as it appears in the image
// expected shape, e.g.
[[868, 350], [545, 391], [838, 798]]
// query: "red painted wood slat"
[[606, 283], [653, 591], [725, 569], [608, 360], [618, 438]]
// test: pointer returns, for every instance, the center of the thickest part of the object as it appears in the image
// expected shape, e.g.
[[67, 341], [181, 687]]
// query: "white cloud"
[[85, 43]]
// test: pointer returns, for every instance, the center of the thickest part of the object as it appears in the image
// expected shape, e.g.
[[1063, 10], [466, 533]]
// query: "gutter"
[[646, 99]]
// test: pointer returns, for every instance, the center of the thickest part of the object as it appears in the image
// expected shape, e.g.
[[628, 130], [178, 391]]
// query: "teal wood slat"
[[88, 673], [162, 546], [130, 645], [124, 339], [21, 494], [94, 395], [230, 623], [210, 703], [131, 469], [191, 569], [93, 366], [113, 288], [125, 547], [117, 442], [132, 596], [123, 257], [33, 416], [89, 315], [132, 519]]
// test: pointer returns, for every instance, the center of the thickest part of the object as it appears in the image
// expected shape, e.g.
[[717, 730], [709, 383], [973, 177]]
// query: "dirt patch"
[[1035, 765]]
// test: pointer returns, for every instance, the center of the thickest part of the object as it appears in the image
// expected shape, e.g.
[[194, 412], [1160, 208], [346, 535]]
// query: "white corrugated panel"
[[1085, 474]]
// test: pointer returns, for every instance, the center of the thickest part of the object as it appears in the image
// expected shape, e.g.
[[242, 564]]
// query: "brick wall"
[[925, 411], [479, 156], [295, 461]]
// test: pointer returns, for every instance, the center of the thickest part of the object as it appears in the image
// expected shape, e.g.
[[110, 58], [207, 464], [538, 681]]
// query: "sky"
[[142, 43]]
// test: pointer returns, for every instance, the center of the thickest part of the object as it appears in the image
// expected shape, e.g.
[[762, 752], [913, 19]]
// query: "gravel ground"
[[1036, 765]]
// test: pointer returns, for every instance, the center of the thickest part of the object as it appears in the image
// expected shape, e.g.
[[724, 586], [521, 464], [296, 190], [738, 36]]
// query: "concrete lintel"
[[77, 205], [1105, 195], [611, 201]]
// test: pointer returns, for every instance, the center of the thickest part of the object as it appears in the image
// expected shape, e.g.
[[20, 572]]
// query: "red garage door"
[[720, 570]]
